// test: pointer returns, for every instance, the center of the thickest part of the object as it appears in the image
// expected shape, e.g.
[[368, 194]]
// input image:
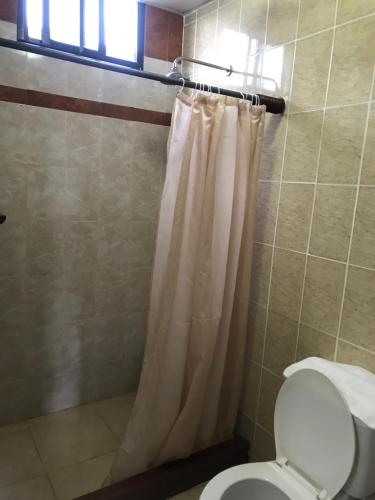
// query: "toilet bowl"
[[315, 439]]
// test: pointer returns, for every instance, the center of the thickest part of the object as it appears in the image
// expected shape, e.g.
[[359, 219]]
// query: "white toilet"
[[322, 451]]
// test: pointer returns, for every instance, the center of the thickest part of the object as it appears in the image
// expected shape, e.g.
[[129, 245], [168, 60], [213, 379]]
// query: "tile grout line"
[[315, 184], [311, 183], [276, 221], [354, 215]]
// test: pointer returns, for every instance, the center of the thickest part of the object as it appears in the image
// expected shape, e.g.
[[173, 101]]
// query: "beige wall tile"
[[46, 192], [264, 446], [273, 147], [302, 146], [269, 390], [352, 63], [353, 355], [311, 72], [358, 317], [315, 15], [260, 275], [205, 40], [342, 144], [286, 286], [351, 9], [245, 427], [83, 140], [322, 295], [363, 245], [208, 9], [368, 168], [253, 23], [282, 21], [256, 332], [266, 210], [281, 340], [314, 343], [294, 217], [332, 221], [250, 391]]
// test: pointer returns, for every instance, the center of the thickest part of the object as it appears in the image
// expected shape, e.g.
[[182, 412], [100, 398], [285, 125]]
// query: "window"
[[110, 30]]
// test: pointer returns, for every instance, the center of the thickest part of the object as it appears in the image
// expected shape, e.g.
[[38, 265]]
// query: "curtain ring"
[[183, 85]]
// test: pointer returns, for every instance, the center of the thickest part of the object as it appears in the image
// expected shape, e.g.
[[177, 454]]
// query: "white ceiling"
[[177, 5]]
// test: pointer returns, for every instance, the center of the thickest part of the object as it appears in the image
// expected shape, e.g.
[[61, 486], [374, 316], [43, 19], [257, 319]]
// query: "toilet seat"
[[269, 473], [315, 447]]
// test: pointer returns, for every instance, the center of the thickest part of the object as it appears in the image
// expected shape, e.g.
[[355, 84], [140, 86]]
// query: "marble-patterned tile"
[[244, 427], [81, 194], [352, 63], [45, 298], [46, 136], [260, 275], [302, 146], [294, 217], [110, 290], [19, 459], [264, 446], [79, 295], [323, 294], [342, 142], [277, 64], [363, 244], [140, 242], [311, 72], [269, 390], [256, 332], [80, 479], [69, 437], [14, 147], [45, 241], [46, 74], [352, 355], [351, 9], [286, 285], [188, 46], [13, 246], [83, 140], [281, 341], [368, 167], [250, 390], [84, 82], [205, 40], [314, 343], [34, 489], [273, 147], [13, 312], [138, 288], [116, 412], [46, 192], [16, 345], [207, 8], [79, 246], [135, 330], [13, 68], [266, 211], [8, 30], [315, 15], [253, 24], [332, 221], [13, 189], [11, 428], [282, 21], [358, 316]]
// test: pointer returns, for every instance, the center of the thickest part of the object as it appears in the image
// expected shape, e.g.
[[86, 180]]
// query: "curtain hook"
[[183, 85]]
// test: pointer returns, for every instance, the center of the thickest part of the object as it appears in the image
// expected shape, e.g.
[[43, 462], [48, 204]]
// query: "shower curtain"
[[190, 386]]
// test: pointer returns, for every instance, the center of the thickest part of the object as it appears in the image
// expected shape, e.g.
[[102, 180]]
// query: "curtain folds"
[[190, 386]]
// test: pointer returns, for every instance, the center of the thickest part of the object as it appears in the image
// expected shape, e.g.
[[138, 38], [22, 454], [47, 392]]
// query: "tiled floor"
[[62, 455], [192, 494]]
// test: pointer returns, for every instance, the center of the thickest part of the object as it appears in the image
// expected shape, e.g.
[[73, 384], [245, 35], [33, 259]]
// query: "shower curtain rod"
[[274, 105]]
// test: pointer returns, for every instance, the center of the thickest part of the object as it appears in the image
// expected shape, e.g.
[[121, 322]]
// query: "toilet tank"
[[361, 482]]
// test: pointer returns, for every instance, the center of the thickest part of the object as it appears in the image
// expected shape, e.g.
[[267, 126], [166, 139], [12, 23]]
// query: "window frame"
[[100, 55]]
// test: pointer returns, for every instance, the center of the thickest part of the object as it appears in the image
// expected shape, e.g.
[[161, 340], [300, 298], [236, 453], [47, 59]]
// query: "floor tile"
[[116, 412], [72, 436], [19, 459], [192, 494], [76, 480], [36, 489], [10, 429]]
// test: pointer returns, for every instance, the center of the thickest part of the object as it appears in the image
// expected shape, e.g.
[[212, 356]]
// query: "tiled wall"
[[81, 194], [313, 285]]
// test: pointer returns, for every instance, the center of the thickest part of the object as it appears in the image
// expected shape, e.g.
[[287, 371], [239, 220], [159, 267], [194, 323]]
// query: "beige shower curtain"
[[190, 386]]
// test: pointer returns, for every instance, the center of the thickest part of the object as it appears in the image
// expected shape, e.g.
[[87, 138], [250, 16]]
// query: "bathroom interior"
[[180, 253]]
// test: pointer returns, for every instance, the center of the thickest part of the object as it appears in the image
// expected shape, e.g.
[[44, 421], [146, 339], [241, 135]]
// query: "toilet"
[[322, 451]]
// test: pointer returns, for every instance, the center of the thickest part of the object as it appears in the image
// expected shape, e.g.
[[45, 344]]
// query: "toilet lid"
[[314, 430]]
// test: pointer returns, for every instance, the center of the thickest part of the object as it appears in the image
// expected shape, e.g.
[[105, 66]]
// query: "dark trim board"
[[173, 478], [84, 106]]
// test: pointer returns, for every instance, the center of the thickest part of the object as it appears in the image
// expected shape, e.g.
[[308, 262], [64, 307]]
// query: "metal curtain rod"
[[275, 105], [228, 69]]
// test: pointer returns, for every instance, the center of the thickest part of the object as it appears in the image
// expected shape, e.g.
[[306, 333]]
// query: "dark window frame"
[[100, 55]]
